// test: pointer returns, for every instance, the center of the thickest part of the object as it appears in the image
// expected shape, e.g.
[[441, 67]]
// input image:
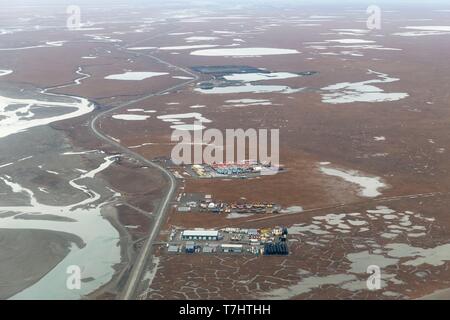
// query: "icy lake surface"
[[245, 83], [242, 52], [247, 102], [364, 91], [419, 31], [251, 77], [351, 41], [179, 124], [249, 88], [141, 48], [130, 117], [5, 72], [369, 186], [195, 39], [134, 76], [48, 44], [199, 46]]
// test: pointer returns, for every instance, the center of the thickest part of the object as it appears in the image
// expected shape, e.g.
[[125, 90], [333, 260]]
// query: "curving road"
[[160, 213]]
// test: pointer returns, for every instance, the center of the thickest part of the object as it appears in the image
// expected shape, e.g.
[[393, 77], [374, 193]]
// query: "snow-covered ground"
[[364, 91], [369, 186], [130, 117], [134, 76], [242, 52]]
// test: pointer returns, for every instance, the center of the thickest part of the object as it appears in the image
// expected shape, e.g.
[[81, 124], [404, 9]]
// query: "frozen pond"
[[142, 48], [307, 284], [179, 124], [369, 185], [431, 28], [249, 88], [251, 77], [347, 47], [187, 127], [244, 79], [5, 72], [130, 117], [292, 209], [435, 256], [361, 260], [242, 52], [199, 46], [194, 39], [197, 106], [364, 91], [350, 41], [48, 44], [134, 76], [424, 31], [351, 32], [235, 215], [248, 102], [182, 77]]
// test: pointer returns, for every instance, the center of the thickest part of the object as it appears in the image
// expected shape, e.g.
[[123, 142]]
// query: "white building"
[[212, 205], [232, 248], [200, 235]]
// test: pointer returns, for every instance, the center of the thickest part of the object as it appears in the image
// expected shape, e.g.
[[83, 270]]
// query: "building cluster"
[[265, 241], [208, 204], [261, 236], [242, 169]]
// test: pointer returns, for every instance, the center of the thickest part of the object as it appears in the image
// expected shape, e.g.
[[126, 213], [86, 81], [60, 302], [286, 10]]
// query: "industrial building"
[[242, 169], [190, 247], [196, 202], [237, 248], [262, 241], [173, 249], [184, 209], [208, 249], [200, 235], [279, 248]]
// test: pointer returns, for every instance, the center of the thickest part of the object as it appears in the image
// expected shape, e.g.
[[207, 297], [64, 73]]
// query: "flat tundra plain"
[[364, 136]]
